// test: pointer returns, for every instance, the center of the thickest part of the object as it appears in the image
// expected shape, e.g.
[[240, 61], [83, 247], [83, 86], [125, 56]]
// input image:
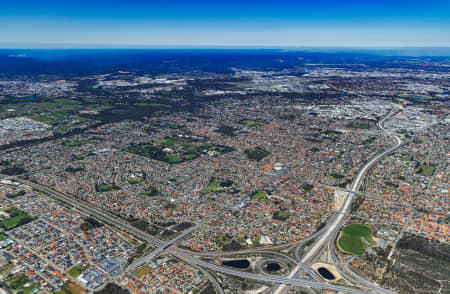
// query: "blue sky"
[[174, 23]]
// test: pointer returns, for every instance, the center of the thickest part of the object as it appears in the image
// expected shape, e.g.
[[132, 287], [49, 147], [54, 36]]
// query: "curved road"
[[343, 269], [339, 219], [333, 227], [177, 252]]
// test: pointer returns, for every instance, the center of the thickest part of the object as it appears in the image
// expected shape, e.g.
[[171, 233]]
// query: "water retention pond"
[[326, 273]]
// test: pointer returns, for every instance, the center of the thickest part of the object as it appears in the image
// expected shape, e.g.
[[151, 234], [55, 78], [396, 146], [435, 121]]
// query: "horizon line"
[[26, 46]]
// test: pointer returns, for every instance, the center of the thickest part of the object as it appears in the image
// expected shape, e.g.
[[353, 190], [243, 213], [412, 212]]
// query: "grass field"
[[18, 282], [81, 156], [217, 185], [223, 240], [15, 221], [106, 187], [334, 176], [252, 123], [426, 170], [260, 195], [74, 143], [176, 150], [213, 186], [390, 187], [256, 153], [360, 126], [406, 158], [54, 118], [17, 218], [76, 271], [354, 238], [3, 237], [142, 271], [331, 133], [29, 290], [281, 215], [135, 180], [150, 191]]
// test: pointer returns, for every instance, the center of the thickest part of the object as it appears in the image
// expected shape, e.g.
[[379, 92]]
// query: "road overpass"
[[177, 252], [168, 246], [335, 225]]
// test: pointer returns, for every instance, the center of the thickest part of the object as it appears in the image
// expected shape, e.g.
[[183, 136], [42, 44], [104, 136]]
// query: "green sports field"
[[16, 218], [76, 271], [354, 238]]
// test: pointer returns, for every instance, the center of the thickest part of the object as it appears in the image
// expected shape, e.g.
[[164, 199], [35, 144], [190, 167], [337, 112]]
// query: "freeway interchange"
[[173, 250], [335, 225], [324, 240]]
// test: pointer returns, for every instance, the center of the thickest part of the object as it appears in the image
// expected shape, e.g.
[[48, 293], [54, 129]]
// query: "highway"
[[342, 268], [258, 277], [162, 247], [92, 211], [339, 218], [330, 230], [179, 253]]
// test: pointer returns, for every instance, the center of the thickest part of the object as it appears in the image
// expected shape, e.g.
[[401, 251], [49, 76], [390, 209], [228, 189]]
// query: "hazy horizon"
[[200, 23], [17, 51]]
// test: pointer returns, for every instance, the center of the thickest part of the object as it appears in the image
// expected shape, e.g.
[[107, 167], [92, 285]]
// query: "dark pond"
[[239, 263], [326, 273], [273, 267]]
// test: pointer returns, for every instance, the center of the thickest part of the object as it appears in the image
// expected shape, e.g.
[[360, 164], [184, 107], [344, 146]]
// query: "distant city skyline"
[[114, 23]]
